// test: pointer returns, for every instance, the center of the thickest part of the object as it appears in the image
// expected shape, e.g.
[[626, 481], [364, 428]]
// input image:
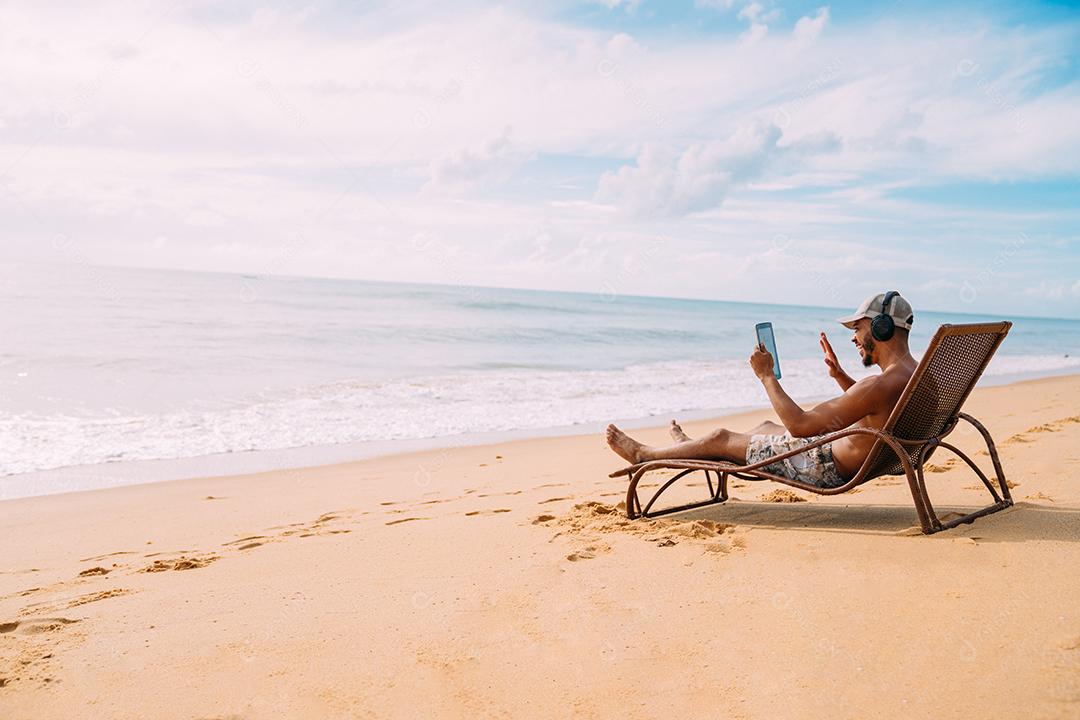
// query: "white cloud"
[[466, 169], [1054, 291], [664, 183], [628, 5], [808, 28], [751, 12], [236, 132], [755, 33]]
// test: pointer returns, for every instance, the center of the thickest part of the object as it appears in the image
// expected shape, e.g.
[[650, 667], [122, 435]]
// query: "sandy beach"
[[503, 581]]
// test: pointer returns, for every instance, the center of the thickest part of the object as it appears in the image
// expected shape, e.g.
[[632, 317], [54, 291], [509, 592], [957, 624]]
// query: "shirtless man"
[[881, 338]]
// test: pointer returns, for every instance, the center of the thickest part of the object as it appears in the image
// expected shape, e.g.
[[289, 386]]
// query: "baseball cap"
[[899, 309]]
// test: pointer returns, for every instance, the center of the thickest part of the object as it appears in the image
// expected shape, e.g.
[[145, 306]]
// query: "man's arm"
[[832, 415]]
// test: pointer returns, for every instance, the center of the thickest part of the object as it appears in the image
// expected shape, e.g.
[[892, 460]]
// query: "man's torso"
[[850, 452]]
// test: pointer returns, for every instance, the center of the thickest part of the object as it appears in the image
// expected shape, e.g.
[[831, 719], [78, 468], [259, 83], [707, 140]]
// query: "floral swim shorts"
[[813, 467]]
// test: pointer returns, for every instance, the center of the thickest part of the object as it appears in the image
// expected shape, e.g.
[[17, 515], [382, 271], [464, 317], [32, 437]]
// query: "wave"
[[443, 405]]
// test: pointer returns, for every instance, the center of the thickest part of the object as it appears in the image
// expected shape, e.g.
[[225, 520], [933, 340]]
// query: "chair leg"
[[932, 523], [633, 503], [992, 449], [919, 497]]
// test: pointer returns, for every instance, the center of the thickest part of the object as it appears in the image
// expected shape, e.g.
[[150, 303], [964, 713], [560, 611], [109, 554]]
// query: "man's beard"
[[868, 350]]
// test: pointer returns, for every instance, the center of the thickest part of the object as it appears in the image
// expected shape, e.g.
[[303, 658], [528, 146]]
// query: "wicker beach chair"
[[927, 411]]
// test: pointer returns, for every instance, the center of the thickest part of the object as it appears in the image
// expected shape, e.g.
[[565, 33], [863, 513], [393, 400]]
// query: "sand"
[[503, 581]]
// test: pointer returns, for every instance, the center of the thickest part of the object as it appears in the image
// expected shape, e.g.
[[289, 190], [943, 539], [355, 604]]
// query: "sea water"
[[110, 365]]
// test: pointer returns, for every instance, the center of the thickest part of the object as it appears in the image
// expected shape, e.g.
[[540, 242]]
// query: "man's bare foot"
[[677, 433], [625, 446]]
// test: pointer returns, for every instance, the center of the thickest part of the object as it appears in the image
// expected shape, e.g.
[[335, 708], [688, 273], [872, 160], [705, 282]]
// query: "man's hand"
[[835, 371], [761, 361]]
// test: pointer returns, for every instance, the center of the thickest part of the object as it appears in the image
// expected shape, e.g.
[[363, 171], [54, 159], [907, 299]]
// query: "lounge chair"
[[927, 411]]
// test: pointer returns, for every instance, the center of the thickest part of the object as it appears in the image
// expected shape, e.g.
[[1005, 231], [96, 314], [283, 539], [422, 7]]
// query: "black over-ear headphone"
[[882, 326]]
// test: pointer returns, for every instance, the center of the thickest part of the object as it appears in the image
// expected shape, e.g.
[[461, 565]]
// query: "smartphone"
[[765, 337]]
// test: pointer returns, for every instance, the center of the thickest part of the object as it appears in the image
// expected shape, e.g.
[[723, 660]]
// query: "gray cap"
[[899, 309]]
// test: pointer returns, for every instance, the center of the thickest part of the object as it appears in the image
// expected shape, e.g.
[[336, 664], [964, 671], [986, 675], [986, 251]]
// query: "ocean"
[[107, 368]]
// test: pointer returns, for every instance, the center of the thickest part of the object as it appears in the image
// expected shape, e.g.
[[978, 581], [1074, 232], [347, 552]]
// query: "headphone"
[[882, 326]]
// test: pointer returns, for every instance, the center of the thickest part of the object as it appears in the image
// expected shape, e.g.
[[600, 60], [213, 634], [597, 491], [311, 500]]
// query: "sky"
[[763, 151]]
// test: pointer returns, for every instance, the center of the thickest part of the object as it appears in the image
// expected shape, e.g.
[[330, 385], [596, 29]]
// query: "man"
[[881, 326]]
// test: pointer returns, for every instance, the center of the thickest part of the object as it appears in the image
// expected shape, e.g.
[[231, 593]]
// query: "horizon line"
[[256, 275]]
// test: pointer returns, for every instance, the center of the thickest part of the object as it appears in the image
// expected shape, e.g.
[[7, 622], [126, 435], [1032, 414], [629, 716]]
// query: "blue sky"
[[796, 152]]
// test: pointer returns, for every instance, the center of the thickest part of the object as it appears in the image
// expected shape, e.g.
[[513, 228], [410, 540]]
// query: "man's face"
[[864, 341]]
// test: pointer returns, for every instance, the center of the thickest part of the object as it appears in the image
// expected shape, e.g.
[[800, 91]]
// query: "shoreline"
[[102, 476]]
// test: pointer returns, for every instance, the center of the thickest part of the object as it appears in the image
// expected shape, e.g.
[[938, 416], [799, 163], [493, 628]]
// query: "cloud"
[[466, 169], [1054, 291], [629, 5], [755, 33], [808, 28], [752, 11], [232, 131], [666, 183]]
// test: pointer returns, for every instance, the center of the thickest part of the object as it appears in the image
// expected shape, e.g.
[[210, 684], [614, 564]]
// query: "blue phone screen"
[[765, 337]]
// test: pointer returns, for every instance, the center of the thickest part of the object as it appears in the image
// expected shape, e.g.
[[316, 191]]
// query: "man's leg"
[[718, 445], [766, 428]]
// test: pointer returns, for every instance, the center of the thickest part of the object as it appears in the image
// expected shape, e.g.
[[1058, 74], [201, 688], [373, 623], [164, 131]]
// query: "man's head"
[[884, 318]]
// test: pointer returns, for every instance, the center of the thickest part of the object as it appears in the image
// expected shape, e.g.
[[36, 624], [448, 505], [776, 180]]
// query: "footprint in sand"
[[21, 593], [993, 481], [35, 626], [182, 563], [333, 515], [246, 542], [75, 602], [95, 597], [99, 558], [167, 552], [89, 572], [554, 499], [405, 520], [588, 552], [487, 512], [282, 527], [591, 518], [781, 496]]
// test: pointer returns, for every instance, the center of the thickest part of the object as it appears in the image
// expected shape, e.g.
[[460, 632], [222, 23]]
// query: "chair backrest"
[[946, 375]]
